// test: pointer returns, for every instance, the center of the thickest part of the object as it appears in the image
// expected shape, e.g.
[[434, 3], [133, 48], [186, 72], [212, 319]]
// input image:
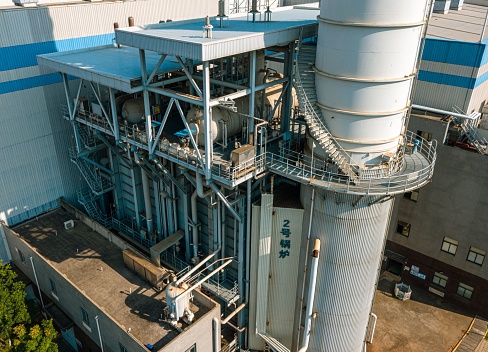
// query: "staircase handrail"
[[309, 110]]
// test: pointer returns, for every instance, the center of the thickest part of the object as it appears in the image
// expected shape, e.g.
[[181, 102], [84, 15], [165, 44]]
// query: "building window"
[[439, 280], [413, 196], [403, 228], [464, 290], [476, 256], [425, 135], [192, 348], [53, 286], [21, 256], [85, 317], [122, 348], [449, 245]]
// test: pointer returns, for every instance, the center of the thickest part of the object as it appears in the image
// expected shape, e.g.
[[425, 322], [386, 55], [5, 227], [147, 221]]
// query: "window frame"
[[404, 225], [451, 242], [441, 278], [477, 252], [21, 256], [85, 317], [192, 348], [54, 289], [122, 348], [412, 195], [466, 288], [428, 137]]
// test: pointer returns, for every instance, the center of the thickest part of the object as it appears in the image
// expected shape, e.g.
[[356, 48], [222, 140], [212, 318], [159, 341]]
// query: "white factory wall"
[[34, 138], [452, 74]]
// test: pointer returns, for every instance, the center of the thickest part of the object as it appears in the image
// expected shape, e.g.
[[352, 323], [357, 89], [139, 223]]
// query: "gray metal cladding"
[[352, 239]]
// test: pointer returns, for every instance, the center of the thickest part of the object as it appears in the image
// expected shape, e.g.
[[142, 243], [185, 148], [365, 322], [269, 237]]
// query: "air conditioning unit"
[[69, 224]]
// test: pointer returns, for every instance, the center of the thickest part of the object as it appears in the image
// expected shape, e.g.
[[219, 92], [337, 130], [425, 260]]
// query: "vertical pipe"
[[215, 334], [173, 192], [287, 98], [311, 295], [252, 96], [147, 196], [134, 191], [147, 107], [114, 115], [37, 282], [484, 27], [240, 267], [99, 334], [131, 21], [207, 115]]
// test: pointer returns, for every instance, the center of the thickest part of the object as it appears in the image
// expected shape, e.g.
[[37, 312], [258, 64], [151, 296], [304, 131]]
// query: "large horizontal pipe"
[[444, 112]]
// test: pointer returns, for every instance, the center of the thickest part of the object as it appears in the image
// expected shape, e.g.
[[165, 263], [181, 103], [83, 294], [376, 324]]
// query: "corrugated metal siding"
[[43, 24], [478, 98], [284, 273], [440, 96], [255, 342], [33, 152], [352, 240], [264, 252], [34, 138]]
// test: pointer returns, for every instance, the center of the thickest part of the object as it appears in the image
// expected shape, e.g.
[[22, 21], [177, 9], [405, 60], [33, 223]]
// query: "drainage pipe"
[[37, 281], [439, 111], [311, 295], [371, 333], [99, 333]]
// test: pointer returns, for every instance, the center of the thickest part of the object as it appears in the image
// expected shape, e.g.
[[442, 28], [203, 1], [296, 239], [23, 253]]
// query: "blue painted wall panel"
[[14, 57], [454, 52], [31, 82], [449, 80]]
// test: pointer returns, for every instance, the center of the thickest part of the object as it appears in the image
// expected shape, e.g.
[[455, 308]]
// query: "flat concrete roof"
[[108, 65], [96, 266], [464, 25], [239, 34]]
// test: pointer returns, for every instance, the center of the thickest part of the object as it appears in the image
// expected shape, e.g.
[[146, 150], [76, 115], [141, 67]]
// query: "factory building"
[[437, 238], [244, 158]]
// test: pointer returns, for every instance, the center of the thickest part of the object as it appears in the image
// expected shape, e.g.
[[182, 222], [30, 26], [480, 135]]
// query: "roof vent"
[[69, 224], [221, 16], [207, 29]]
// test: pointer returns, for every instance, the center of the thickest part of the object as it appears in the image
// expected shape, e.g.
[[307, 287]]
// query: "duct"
[[445, 112], [194, 214], [311, 295], [147, 195]]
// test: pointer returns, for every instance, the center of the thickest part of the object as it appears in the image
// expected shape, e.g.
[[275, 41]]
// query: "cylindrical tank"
[[352, 240], [133, 110], [177, 307], [119, 102], [364, 69]]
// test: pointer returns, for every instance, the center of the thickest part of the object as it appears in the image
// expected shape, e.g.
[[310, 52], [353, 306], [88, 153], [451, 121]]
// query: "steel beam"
[[145, 93], [104, 113], [190, 77]]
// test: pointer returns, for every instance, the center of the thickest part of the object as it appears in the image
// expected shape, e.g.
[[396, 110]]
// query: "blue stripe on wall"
[[19, 56], [455, 52], [31, 82], [445, 79]]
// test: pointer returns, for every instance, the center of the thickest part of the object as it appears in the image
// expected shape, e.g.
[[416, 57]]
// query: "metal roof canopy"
[[238, 36], [107, 65]]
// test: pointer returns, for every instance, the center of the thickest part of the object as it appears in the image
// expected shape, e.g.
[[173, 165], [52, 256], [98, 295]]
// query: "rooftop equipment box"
[[158, 277], [243, 154]]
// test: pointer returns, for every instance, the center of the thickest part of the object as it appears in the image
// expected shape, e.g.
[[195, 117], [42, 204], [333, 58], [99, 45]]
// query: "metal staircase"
[[307, 98], [86, 198], [470, 129], [96, 182], [86, 137]]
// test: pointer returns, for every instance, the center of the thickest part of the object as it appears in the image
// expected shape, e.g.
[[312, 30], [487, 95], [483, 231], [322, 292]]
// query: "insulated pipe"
[[147, 195], [213, 272], [445, 112], [215, 334], [231, 315], [311, 295], [188, 274], [375, 318]]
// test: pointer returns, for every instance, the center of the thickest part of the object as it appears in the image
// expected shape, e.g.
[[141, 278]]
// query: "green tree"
[[17, 333]]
